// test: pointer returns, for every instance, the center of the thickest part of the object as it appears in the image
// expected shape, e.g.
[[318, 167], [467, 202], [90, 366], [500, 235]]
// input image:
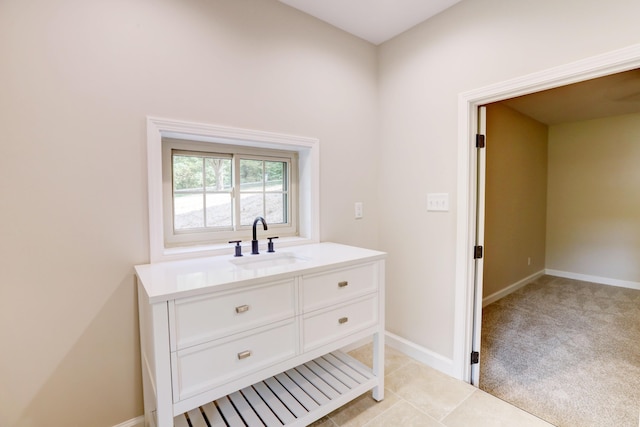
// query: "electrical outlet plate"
[[358, 210], [438, 202]]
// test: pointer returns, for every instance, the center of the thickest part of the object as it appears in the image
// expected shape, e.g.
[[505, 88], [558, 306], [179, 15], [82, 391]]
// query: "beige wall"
[[77, 79], [515, 199], [422, 72], [593, 223]]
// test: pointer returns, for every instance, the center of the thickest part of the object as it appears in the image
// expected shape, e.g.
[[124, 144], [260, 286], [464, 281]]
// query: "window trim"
[[174, 238], [308, 180]]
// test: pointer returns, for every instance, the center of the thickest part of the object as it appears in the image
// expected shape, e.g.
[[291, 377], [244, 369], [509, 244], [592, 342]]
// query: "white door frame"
[[468, 102], [481, 163]]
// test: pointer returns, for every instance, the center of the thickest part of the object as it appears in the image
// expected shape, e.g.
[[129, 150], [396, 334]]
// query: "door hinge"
[[479, 140], [475, 357], [477, 252]]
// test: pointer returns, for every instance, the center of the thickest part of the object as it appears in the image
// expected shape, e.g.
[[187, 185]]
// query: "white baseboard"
[[594, 279], [411, 349], [134, 422], [421, 354], [511, 288]]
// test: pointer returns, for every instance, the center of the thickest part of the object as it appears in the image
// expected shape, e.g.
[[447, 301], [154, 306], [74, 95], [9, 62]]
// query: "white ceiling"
[[380, 20], [373, 20]]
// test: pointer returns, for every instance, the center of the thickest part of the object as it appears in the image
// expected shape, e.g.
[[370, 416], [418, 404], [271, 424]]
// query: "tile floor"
[[417, 395]]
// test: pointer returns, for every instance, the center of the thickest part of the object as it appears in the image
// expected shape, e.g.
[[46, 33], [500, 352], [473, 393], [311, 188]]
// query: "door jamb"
[[468, 102]]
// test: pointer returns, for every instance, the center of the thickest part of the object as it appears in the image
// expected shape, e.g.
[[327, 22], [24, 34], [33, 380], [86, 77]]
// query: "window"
[[301, 190], [213, 192]]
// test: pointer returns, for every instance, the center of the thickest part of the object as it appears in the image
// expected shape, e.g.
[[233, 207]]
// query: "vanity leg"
[[378, 365]]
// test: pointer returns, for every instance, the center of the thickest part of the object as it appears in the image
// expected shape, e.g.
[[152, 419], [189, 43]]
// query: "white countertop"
[[177, 279]]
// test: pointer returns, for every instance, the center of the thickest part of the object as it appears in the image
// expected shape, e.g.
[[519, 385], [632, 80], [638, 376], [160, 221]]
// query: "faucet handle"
[[237, 247], [270, 244]]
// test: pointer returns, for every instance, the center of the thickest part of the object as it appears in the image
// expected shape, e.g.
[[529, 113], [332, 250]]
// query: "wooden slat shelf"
[[293, 398]]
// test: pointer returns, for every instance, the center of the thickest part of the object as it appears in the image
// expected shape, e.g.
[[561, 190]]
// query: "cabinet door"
[[326, 289], [200, 319]]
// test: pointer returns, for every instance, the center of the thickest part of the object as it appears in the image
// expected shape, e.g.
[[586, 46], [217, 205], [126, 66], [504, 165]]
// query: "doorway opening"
[[468, 291], [557, 198]]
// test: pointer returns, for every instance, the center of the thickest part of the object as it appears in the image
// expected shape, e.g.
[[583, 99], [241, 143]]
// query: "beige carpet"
[[565, 350]]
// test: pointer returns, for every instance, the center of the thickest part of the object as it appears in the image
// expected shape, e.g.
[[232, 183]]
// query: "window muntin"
[[215, 191]]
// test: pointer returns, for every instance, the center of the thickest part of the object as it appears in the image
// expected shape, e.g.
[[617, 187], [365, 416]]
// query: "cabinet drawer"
[[321, 290], [200, 368], [200, 319], [325, 326]]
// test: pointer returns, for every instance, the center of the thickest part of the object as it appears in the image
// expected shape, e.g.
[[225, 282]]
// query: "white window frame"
[[174, 238], [308, 181]]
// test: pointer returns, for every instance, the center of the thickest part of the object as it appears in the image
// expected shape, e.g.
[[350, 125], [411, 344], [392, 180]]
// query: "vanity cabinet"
[[224, 343]]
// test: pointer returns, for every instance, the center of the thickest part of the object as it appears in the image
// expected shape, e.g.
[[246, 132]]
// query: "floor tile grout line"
[[333, 422], [441, 420], [383, 412], [386, 392], [424, 413], [398, 368], [462, 406]]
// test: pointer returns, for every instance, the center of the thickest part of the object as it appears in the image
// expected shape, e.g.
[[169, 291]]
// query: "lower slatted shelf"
[[295, 397]]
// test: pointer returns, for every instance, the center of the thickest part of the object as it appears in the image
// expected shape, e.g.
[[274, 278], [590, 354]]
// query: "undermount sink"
[[254, 262]]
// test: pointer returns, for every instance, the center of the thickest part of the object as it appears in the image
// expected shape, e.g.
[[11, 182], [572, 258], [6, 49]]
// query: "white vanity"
[[255, 340]]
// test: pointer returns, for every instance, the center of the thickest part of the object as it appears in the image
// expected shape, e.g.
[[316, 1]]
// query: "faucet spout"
[[254, 242]]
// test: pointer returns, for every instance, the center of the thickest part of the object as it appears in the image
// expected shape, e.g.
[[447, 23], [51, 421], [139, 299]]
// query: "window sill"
[[185, 252]]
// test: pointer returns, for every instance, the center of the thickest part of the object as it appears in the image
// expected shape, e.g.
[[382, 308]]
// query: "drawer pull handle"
[[342, 284], [343, 320], [244, 354], [242, 309]]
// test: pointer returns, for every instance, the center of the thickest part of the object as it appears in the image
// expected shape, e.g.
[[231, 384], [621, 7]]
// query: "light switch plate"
[[359, 210], [438, 202]]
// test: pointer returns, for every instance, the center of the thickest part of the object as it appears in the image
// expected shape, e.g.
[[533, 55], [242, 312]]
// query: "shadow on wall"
[[114, 330]]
